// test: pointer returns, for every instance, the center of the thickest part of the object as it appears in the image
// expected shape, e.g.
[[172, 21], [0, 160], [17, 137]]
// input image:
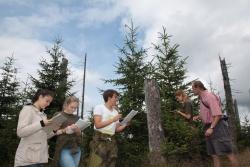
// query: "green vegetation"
[[184, 142]]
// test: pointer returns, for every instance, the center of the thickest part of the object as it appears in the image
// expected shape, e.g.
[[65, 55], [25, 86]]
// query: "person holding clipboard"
[[103, 147], [32, 150], [67, 151]]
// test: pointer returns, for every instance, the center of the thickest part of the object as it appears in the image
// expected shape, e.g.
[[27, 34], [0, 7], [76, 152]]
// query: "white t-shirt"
[[106, 114]]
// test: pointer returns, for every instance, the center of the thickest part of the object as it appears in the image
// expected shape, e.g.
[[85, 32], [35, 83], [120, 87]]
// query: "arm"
[[215, 109], [101, 124], [77, 131], [25, 127], [187, 116], [196, 117], [187, 110], [68, 130], [119, 127], [215, 121], [210, 130]]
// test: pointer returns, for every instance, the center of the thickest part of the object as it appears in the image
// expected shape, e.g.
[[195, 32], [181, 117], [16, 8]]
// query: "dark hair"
[[199, 84], [109, 93], [42, 92]]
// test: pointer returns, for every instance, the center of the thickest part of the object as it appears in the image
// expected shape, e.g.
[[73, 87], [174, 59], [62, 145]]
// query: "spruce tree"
[[169, 70], [170, 73], [8, 88], [54, 75], [131, 71], [9, 110]]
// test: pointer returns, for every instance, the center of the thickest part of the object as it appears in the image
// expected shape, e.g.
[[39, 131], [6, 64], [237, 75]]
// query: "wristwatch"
[[211, 127]]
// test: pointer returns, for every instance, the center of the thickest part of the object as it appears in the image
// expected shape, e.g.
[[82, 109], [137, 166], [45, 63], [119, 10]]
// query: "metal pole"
[[83, 85], [77, 111]]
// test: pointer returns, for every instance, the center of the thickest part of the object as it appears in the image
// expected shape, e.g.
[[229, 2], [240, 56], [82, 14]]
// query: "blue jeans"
[[33, 165], [67, 159]]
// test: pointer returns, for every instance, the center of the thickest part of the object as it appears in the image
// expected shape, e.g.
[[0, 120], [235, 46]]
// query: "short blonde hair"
[[181, 93], [69, 100]]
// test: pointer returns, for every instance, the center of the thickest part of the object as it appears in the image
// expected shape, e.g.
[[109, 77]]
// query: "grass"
[[243, 157]]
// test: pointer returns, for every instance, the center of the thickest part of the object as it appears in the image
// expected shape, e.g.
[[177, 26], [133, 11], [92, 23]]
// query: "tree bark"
[[229, 101], [155, 130], [237, 113]]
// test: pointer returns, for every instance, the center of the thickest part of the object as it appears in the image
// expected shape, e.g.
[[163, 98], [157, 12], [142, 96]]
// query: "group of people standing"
[[33, 148], [216, 130]]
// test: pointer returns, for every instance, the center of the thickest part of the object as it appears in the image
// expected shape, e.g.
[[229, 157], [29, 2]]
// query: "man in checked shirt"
[[217, 135]]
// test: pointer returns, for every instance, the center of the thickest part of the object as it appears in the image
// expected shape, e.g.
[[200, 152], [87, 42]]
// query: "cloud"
[[204, 31], [11, 2], [27, 53], [44, 17], [100, 13], [92, 82], [92, 77], [244, 114]]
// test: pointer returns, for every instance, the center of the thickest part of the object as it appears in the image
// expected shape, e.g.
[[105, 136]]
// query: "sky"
[[204, 30]]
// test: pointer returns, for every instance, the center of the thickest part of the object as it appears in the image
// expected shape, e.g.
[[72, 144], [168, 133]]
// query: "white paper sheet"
[[129, 117], [81, 124]]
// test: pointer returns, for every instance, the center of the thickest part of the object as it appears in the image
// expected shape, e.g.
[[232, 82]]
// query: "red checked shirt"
[[214, 109]]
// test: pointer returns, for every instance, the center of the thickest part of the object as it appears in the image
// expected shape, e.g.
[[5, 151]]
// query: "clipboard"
[[129, 117], [57, 121], [81, 124]]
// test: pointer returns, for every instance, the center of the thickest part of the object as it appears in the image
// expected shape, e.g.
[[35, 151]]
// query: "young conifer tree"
[[9, 109], [131, 71], [170, 72], [54, 75]]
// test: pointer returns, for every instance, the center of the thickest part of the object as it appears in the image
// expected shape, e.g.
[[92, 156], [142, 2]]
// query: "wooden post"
[[155, 130]]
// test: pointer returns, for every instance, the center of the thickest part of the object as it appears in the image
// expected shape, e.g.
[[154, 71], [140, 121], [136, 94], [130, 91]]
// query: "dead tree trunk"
[[237, 113], [229, 101], [155, 130]]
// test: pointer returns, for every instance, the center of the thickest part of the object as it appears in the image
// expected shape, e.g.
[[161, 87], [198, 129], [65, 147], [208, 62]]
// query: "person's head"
[[110, 96], [43, 98], [70, 104], [181, 96], [198, 87]]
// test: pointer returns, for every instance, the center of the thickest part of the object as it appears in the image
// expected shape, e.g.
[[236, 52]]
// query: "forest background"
[[173, 55]]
